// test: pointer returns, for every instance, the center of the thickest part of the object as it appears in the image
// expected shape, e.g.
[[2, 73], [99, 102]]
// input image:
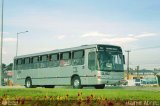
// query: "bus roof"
[[64, 50]]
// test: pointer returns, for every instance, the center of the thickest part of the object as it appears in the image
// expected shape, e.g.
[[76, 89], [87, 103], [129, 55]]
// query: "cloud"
[[9, 39], [143, 35], [5, 33], [128, 39], [118, 40], [61, 37], [94, 34], [115, 39], [4, 52]]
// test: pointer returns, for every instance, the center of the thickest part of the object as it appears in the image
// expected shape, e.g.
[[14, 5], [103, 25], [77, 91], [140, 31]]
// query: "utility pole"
[[128, 51], [1, 42], [17, 41], [137, 71]]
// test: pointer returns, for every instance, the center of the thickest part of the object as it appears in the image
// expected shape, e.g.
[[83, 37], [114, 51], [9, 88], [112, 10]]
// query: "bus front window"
[[110, 60]]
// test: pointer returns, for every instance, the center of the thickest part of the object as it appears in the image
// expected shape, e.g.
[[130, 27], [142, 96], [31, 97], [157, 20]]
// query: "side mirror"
[[123, 59]]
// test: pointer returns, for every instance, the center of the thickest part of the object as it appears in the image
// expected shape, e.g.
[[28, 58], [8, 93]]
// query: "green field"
[[110, 96], [123, 93]]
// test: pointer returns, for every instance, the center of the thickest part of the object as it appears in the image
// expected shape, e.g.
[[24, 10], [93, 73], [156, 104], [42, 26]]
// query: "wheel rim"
[[28, 83], [76, 83]]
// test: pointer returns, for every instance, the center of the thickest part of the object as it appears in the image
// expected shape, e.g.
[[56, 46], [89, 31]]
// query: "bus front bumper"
[[111, 81]]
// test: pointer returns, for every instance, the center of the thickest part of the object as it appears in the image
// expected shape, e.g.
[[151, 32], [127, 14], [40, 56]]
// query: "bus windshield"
[[110, 60]]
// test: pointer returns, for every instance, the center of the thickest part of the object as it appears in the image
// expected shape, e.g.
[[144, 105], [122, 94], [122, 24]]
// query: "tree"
[[3, 65], [9, 67], [156, 69]]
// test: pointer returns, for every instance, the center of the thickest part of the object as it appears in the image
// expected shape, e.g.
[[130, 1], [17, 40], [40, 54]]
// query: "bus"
[[87, 65]]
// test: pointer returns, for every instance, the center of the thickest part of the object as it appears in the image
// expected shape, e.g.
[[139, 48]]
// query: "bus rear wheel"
[[76, 83], [28, 83], [100, 86]]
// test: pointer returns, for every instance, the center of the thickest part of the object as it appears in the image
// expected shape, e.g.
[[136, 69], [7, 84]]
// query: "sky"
[[56, 24]]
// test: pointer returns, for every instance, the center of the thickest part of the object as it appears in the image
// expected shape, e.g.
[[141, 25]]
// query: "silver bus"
[[88, 65]]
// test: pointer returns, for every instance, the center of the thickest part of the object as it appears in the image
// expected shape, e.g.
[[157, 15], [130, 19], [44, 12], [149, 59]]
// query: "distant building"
[[134, 74], [146, 77]]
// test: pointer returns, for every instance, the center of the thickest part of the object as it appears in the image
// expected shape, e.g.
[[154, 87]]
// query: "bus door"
[[91, 64]]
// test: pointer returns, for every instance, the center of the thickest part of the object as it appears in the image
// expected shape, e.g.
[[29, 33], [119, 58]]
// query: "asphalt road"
[[148, 88]]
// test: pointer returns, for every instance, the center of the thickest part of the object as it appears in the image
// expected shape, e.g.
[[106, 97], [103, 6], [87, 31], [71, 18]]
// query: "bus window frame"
[[41, 58], [35, 65], [64, 61], [75, 61], [50, 57], [25, 60], [33, 59], [52, 61]]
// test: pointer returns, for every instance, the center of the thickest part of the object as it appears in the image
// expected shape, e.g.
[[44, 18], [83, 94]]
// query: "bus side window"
[[78, 57], [15, 64], [19, 64], [54, 60], [43, 63], [26, 60], [26, 63], [31, 63], [92, 61], [35, 62], [65, 59], [44, 58]]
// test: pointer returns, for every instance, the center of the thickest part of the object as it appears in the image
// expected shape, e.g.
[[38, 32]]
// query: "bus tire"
[[76, 83], [100, 86], [28, 83]]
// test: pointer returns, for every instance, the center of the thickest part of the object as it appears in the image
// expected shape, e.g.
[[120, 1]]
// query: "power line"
[[137, 49]]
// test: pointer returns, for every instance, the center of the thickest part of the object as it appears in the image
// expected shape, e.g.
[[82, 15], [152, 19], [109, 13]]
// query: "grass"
[[109, 93], [112, 96]]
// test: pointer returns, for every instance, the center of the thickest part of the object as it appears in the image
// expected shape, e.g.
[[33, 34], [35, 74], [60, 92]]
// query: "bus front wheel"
[[76, 83], [28, 83], [100, 86]]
